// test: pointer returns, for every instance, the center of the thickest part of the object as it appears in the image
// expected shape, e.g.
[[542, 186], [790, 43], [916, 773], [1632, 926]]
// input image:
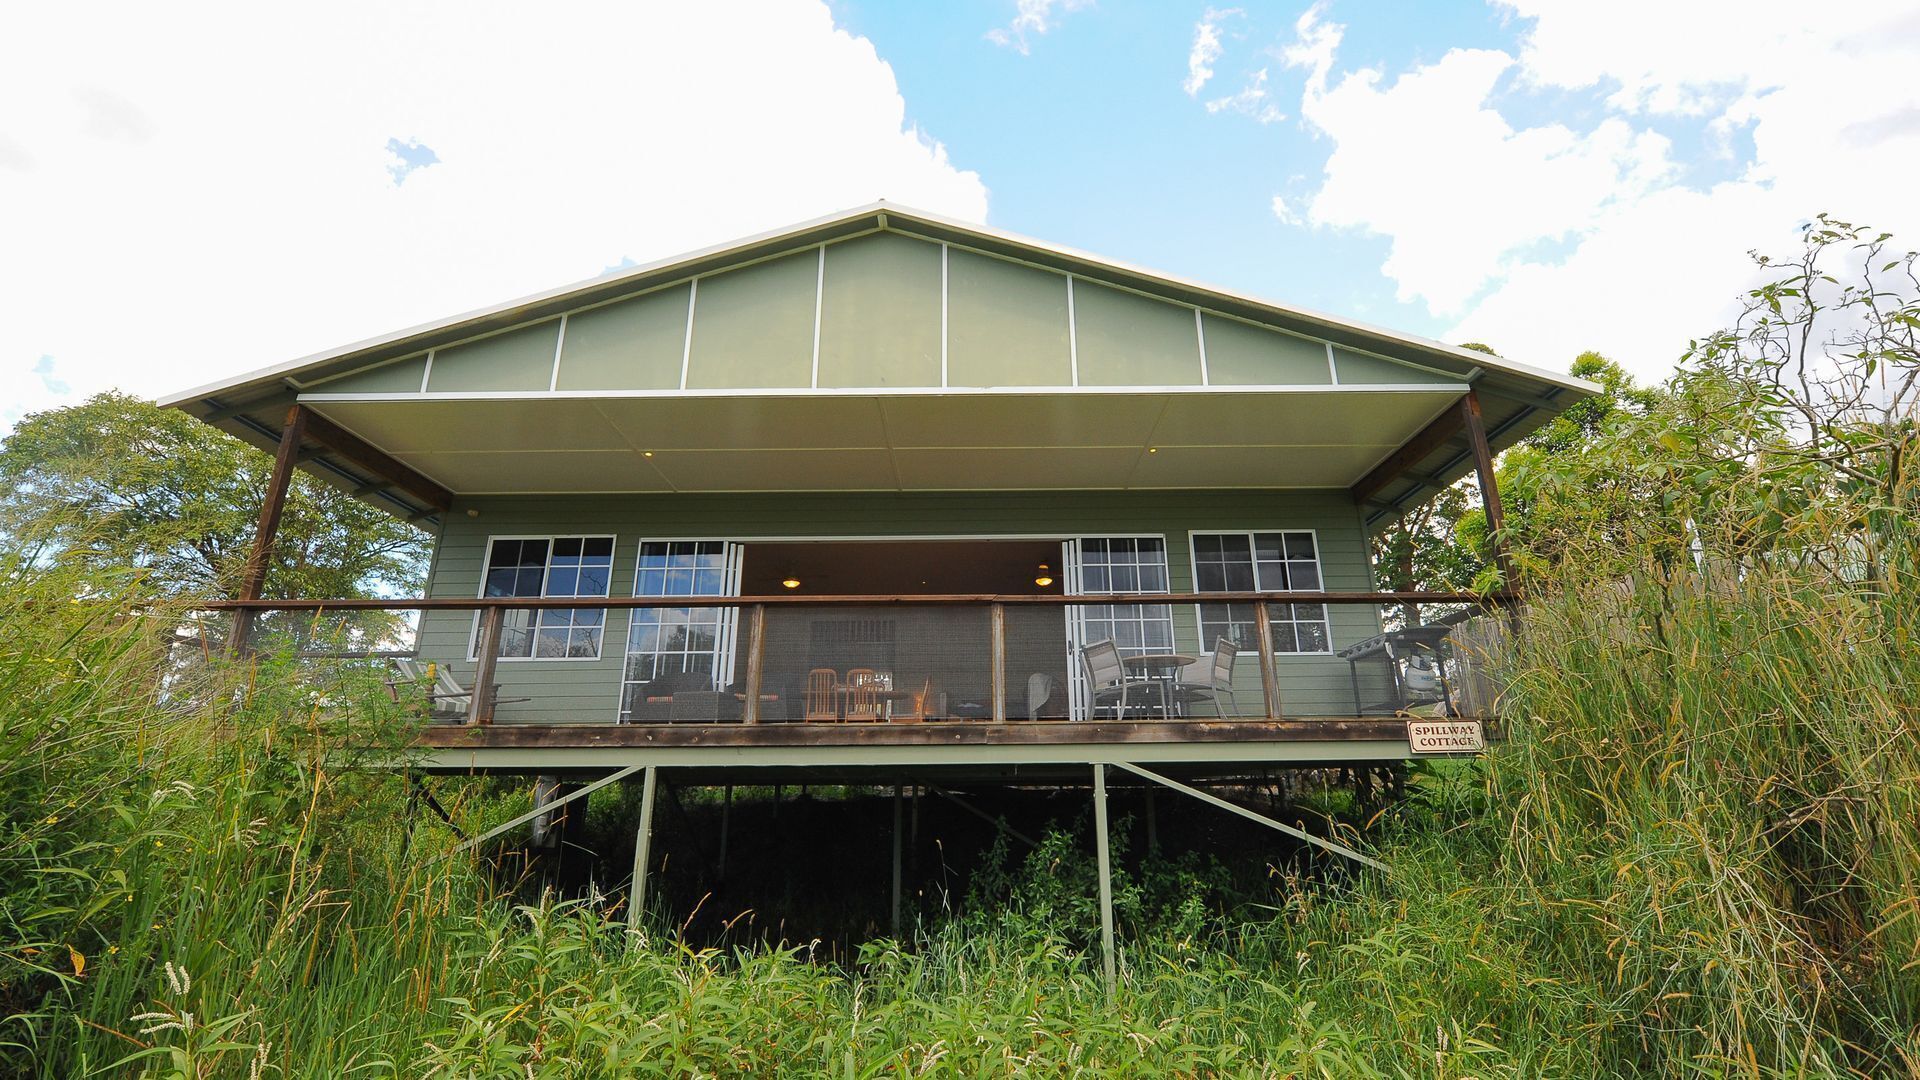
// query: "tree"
[[1443, 543], [1787, 437], [117, 483]]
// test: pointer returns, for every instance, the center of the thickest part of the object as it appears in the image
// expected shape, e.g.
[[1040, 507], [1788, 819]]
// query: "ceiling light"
[[1153, 449], [790, 582], [1044, 579], [646, 453]]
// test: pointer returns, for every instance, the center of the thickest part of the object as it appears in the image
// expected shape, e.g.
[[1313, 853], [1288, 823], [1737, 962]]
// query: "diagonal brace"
[[1270, 823], [997, 823], [578, 793]]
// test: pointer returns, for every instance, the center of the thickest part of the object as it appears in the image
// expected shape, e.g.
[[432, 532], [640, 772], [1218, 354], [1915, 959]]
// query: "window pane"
[[1300, 546], [594, 580], [567, 547], [1313, 637], [1210, 577], [1283, 639], [599, 547], [1303, 576], [564, 581], [549, 644], [1267, 547]]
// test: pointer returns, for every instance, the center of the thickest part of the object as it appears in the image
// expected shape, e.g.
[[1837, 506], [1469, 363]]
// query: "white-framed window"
[[1281, 561], [1124, 564], [548, 566], [676, 645]]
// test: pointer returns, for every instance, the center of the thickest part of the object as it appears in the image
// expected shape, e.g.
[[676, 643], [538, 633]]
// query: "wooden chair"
[[864, 704], [820, 699]]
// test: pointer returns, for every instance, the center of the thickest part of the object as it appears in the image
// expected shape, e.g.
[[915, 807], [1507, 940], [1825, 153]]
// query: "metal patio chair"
[[1211, 679], [1107, 678]]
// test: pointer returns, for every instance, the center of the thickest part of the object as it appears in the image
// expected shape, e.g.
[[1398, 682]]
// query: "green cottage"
[[885, 494]]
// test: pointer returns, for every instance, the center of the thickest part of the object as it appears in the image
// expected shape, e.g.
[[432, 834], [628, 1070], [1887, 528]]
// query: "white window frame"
[[546, 572], [726, 634], [1319, 567]]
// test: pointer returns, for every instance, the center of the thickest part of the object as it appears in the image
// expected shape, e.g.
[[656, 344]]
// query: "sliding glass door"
[[1114, 564], [673, 650]]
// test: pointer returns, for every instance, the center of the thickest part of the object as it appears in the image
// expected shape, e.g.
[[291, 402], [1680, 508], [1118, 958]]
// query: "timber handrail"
[[537, 603], [493, 611]]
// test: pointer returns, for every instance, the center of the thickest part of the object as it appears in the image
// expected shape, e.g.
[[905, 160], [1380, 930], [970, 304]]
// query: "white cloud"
[[200, 191], [1548, 239], [1205, 50], [1033, 17], [1252, 99]]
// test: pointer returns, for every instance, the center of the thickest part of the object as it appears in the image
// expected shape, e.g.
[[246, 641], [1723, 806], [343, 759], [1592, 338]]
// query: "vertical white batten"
[[943, 316], [1333, 372], [686, 352], [819, 296], [559, 342], [1200, 336], [426, 373], [1073, 336]]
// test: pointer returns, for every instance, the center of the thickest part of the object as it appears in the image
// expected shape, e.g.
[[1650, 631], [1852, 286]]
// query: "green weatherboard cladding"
[[636, 344], [880, 313], [1129, 340], [753, 327], [516, 360], [1006, 324], [586, 690]]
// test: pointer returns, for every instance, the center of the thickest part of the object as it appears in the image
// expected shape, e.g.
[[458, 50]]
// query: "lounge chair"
[[446, 699]]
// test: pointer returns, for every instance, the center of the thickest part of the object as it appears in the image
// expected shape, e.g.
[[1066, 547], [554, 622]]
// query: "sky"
[[192, 191]]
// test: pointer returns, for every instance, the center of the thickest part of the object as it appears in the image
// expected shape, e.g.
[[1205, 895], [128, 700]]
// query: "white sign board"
[[1445, 736]]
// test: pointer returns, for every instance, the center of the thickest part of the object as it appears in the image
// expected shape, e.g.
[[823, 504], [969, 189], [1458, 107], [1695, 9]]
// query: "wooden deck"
[[977, 747]]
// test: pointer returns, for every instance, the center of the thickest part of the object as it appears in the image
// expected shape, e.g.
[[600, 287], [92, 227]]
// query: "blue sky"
[[1088, 140], [189, 193]]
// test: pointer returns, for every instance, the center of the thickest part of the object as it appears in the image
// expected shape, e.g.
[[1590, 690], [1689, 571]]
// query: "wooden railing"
[[754, 610]]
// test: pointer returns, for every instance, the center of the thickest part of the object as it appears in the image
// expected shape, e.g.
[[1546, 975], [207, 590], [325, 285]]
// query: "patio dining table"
[[1163, 670]]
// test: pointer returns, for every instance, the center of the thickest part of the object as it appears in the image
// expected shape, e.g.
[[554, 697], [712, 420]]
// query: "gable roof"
[[1518, 396]]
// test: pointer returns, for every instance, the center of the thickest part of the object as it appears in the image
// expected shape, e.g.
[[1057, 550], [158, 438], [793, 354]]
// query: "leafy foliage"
[[125, 485]]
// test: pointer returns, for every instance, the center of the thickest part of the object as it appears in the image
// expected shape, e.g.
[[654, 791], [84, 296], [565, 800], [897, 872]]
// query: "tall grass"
[[1697, 855]]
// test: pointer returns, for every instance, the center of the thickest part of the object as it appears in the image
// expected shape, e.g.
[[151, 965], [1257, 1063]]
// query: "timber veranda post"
[[484, 692], [253, 581], [1489, 487]]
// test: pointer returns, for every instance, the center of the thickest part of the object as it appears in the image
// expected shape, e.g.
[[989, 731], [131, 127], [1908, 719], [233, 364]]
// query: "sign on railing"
[[1446, 736]]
